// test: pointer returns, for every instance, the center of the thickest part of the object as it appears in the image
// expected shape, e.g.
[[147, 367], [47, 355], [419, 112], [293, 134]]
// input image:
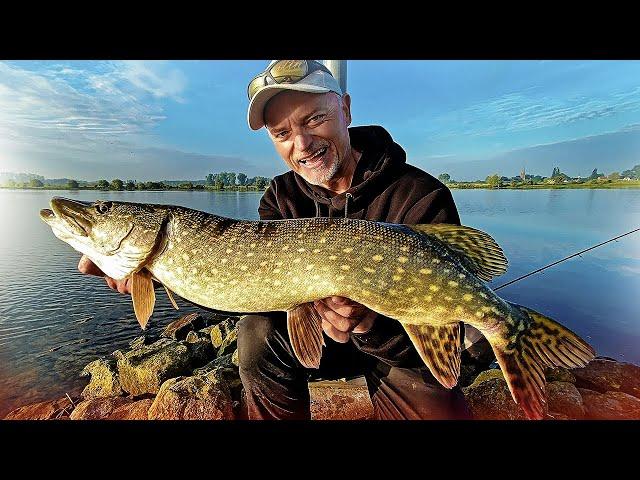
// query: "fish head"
[[119, 237]]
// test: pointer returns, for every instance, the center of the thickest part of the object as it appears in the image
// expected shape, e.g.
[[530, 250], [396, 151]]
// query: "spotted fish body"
[[428, 277]]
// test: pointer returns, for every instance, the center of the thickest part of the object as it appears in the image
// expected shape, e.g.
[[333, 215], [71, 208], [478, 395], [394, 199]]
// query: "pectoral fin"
[[143, 295], [305, 333], [439, 348]]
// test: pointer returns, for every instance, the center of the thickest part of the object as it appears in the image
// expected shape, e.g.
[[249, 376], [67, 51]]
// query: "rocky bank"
[[190, 372]]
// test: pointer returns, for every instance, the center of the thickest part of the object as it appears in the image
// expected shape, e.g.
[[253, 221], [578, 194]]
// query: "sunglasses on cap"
[[284, 71]]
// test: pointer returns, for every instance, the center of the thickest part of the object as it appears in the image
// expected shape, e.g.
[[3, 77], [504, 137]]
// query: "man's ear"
[[346, 107]]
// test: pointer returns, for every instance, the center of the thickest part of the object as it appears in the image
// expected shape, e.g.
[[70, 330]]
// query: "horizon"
[[185, 119]]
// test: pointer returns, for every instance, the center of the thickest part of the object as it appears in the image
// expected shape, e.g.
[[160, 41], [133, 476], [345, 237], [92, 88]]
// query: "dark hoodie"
[[384, 188]]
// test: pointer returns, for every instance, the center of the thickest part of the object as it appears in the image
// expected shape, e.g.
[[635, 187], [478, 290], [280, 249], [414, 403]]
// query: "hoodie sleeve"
[[268, 208], [387, 339]]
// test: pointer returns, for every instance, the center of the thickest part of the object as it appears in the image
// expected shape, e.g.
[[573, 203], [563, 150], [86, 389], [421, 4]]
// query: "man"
[[357, 172]]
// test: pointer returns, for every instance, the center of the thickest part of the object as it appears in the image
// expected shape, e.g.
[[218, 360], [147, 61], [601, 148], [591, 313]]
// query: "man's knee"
[[254, 334]]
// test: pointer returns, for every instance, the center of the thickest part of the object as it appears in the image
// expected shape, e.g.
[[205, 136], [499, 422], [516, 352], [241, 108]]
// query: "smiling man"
[[357, 172]]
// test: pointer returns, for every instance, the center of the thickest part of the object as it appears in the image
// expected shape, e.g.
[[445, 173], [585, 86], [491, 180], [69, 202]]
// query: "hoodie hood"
[[381, 161]]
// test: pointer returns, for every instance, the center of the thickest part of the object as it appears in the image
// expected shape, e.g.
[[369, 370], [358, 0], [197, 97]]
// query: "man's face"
[[309, 131]]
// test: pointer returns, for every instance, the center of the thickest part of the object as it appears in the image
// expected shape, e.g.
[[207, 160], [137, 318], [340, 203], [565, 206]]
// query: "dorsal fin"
[[478, 250]]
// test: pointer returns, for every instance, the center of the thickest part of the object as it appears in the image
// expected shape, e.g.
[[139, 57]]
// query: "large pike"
[[427, 277]]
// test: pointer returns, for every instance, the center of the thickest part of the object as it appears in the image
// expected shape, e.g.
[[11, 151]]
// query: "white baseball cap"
[[266, 85]]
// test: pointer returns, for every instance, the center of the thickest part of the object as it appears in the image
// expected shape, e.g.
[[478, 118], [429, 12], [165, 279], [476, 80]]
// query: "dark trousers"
[[276, 384]]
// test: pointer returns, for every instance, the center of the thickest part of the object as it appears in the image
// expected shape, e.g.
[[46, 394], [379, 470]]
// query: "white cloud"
[[61, 120]]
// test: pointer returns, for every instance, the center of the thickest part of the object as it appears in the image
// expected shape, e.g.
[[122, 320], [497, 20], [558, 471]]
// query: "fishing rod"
[[563, 259]]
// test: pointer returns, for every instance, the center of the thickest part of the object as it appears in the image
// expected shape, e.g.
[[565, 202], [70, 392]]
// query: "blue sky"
[[184, 119]]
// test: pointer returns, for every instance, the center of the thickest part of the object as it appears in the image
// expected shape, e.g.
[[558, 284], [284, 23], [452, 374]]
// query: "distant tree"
[[242, 179], [117, 184], [209, 180], [232, 179], [493, 180], [72, 184], [186, 186], [199, 187], [34, 182], [614, 176], [632, 173], [219, 183], [141, 186], [444, 177], [11, 183], [556, 172], [102, 185], [261, 182], [131, 185]]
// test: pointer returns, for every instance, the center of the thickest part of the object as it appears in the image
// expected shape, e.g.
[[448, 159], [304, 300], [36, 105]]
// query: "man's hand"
[[340, 316], [87, 267]]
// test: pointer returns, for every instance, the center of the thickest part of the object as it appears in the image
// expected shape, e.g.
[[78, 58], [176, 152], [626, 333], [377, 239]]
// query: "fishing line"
[[565, 258]]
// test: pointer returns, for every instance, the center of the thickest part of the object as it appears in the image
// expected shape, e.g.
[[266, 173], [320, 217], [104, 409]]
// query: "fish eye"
[[103, 207]]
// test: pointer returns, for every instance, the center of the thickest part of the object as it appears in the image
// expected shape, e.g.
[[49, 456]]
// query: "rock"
[[564, 398], [489, 398], [235, 359], [610, 405], [604, 375], [178, 329], [224, 368], [141, 341], [132, 411], [468, 373], [221, 331], [559, 374], [145, 369], [340, 400], [98, 408], [104, 379], [557, 416], [202, 397], [229, 344], [51, 410]]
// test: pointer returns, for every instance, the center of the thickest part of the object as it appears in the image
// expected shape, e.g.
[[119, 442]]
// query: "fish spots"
[[428, 298], [243, 267], [369, 270], [214, 270], [253, 245], [323, 240], [393, 292], [404, 248], [485, 309], [263, 264], [194, 271], [467, 297], [426, 271], [249, 254], [340, 277], [269, 243], [434, 288], [297, 260], [366, 293], [377, 258], [366, 281], [345, 267], [332, 257], [483, 295], [276, 270], [171, 261], [300, 250], [185, 256], [435, 260], [458, 309], [403, 259], [228, 250], [397, 277], [400, 270], [453, 284], [347, 250], [316, 250], [277, 283], [410, 289], [311, 266], [462, 275], [448, 298]]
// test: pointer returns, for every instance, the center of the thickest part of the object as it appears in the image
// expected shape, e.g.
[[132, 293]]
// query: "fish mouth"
[[73, 213]]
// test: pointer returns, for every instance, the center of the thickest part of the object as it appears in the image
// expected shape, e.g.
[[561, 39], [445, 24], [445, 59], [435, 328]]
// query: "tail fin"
[[524, 354]]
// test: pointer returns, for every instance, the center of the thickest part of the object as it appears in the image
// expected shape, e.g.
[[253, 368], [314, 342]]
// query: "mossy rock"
[[104, 379]]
